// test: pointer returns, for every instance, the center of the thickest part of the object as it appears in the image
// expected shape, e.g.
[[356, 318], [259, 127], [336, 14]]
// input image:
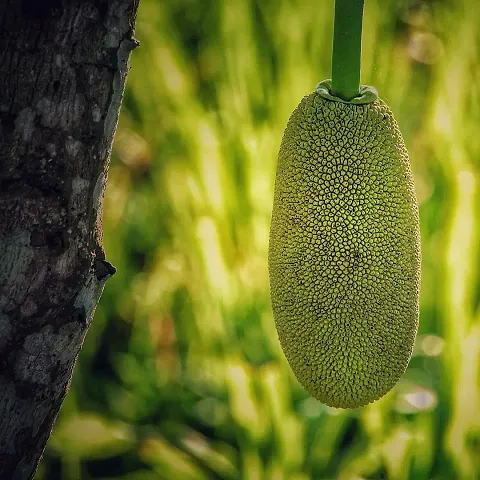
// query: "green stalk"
[[347, 48]]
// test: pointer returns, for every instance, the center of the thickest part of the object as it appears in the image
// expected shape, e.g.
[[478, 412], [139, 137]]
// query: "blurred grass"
[[181, 375]]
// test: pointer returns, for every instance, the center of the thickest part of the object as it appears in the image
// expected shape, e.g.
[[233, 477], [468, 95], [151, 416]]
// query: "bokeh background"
[[181, 375]]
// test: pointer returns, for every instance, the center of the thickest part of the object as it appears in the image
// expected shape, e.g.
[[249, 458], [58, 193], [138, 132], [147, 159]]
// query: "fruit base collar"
[[367, 94]]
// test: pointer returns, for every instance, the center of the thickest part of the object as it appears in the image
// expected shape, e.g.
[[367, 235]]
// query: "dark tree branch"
[[63, 66]]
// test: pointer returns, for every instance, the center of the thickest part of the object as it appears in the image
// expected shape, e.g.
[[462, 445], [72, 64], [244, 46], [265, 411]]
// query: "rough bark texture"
[[63, 65]]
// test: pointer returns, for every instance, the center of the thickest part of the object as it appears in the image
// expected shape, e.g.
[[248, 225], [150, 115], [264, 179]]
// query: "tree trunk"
[[63, 65]]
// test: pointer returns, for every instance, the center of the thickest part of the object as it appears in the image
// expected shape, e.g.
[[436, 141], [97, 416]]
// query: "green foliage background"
[[181, 375]]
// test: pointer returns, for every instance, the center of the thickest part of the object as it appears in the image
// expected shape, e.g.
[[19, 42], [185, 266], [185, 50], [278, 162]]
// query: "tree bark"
[[63, 66]]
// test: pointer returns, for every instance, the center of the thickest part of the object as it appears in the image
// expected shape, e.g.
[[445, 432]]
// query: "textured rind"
[[344, 254]]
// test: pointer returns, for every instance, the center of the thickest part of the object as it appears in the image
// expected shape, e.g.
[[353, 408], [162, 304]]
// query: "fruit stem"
[[347, 48]]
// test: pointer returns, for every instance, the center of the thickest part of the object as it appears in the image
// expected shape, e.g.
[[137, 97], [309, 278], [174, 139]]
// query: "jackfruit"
[[344, 251]]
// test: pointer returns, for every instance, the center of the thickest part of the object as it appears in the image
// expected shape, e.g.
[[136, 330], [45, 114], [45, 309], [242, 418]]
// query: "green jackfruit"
[[344, 253]]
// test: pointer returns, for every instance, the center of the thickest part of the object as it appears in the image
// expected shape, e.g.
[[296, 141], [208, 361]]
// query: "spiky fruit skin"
[[344, 253]]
